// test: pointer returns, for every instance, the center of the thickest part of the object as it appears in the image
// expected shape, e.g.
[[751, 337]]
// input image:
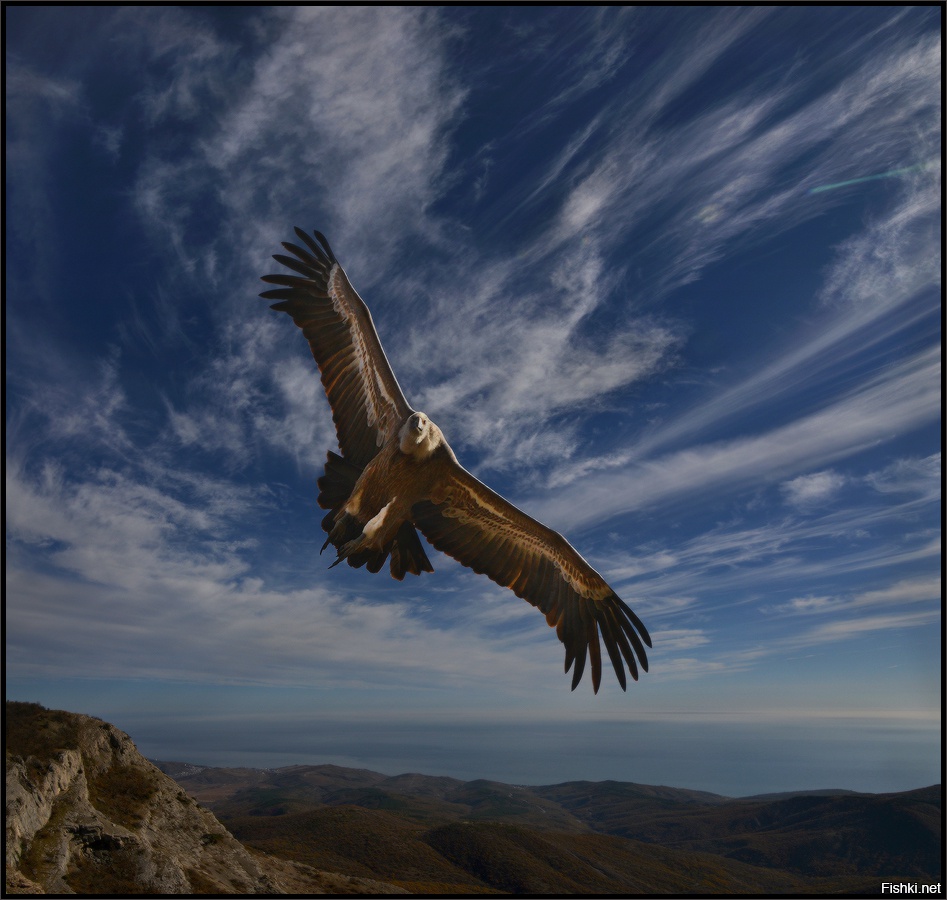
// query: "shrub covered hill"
[[436, 834], [86, 813]]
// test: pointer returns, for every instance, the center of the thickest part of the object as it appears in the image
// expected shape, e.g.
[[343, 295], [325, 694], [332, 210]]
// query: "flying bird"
[[397, 475]]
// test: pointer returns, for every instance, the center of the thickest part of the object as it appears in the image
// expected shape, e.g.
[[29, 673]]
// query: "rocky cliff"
[[87, 813]]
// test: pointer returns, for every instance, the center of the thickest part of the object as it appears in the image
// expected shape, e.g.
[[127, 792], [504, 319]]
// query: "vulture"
[[397, 475]]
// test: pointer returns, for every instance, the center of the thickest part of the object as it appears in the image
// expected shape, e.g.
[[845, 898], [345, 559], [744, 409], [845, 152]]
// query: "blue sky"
[[594, 250]]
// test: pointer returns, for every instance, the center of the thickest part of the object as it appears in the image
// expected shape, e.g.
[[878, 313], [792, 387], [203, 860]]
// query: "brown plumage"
[[397, 473]]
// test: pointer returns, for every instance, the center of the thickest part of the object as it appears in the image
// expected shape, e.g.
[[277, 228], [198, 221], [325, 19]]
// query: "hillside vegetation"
[[424, 833]]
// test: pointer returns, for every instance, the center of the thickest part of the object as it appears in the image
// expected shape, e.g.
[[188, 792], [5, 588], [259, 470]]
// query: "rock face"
[[86, 813]]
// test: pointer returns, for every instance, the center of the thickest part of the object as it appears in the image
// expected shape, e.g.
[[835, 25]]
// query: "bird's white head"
[[419, 436]]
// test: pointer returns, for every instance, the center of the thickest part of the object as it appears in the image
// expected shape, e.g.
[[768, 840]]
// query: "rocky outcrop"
[[87, 813]]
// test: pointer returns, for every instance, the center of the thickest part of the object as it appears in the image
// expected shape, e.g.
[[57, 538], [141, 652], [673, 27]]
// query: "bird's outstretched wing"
[[367, 403], [476, 526]]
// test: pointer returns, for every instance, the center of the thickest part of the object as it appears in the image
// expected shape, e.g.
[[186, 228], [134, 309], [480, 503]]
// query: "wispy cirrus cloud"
[[518, 388], [806, 623], [702, 185], [345, 138], [845, 629], [157, 569], [674, 640], [882, 282], [521, 319], [212, 630], [710, 179], [628, 176], [746, 562], [907, 591], [357, 133], [353, 136], [168, 580], [36, 104], [909, 476], [902, 396]]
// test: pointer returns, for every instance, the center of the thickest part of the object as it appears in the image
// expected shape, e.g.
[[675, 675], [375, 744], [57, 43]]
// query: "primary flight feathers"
[[397, 473]]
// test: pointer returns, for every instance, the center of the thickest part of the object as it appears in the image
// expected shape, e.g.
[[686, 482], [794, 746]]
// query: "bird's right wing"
[[367, 403]]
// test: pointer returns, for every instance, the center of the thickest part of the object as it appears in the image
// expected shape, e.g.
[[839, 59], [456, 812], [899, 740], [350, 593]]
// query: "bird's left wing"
[[477, 527], [367, 403]]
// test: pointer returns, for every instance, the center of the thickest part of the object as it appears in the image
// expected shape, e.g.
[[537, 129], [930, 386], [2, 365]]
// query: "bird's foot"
[[350, 548]]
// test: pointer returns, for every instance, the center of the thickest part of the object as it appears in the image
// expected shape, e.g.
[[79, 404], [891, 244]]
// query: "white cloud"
[[127, 529], [806, 605], [359, 126], [137, 579], [674, 75], [195, 57], [910, 590], [903, 396], [807, 491], [672, 640], [691, 668], [70, 400], [517, 382], [728, 158], [109, 138], [355, 139], [24, 85]]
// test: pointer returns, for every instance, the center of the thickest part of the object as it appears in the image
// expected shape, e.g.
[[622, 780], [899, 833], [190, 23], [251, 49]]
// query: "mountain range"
[[87, 813], [430, 833]]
